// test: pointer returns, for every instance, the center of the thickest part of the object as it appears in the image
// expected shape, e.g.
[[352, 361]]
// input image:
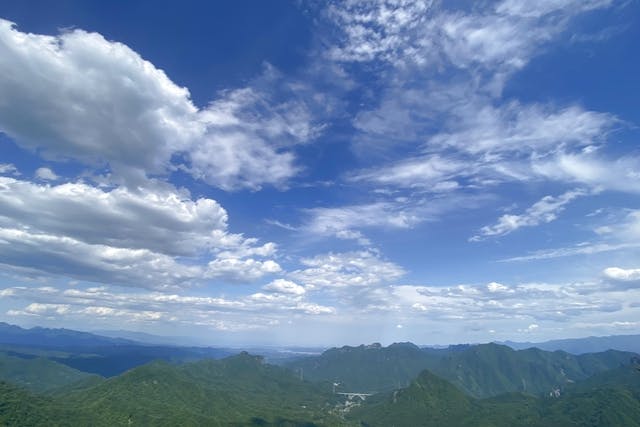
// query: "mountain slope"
[[428, 401], [39, 374], [480, 370], [490, 369], [367, 368], [610, 399], [240, 389]]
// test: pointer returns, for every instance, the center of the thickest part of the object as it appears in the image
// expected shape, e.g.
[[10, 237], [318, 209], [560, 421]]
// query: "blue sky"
[[321, 172]]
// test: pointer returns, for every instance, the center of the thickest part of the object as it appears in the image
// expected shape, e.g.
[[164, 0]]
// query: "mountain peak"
[[406, 344]]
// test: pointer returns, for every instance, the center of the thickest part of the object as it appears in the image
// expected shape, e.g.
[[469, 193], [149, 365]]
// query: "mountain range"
[[584, 345], [488, 385]]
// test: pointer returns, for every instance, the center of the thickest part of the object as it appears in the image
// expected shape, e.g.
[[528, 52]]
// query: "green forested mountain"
[[368, 368], [431, 401], [19, 407], [481, 370], [244, 390], [210, 392], [490, 369], [40, 374], [239, 390]]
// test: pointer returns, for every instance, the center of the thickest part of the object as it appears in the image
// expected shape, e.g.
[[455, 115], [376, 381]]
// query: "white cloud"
[[445, 98], [494, 287], [585, 248], [100, 304], [376, 30], [541, 212], [480, 144], [8, 169], [46, 174], [481, 128], [498, 302], [38, 253], [545, 7], [346, 270], [247, 132], [406, 33], [341, 221], [47, 309], [620, 232], [243, 270], [431, 173], [142, 238], [624, 227], [399, 213], [162, 220], [78, 95], [284, 287], [619, 174], [617, 274]]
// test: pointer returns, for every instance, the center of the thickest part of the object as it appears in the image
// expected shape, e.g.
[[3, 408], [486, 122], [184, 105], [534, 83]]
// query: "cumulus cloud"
[[161, 220], [346, 270], [46, 174], [122, 236], [520, 303], [38, 253], [243, 270], [100, 304], [106, 105], [8, 169], [103, 101], [623, 277], [284, 286]]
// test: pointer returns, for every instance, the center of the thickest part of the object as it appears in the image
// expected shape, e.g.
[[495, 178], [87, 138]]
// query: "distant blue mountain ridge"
[[583, 345]]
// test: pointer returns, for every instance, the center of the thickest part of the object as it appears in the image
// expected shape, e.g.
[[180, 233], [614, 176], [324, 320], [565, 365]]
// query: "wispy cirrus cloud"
[[543, 211], [441, 75], [617, 233]]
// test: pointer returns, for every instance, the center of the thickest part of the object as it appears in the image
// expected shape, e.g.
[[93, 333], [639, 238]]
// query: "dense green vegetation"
[[600, 389], [104, 356], [482, 370], [431, 401], [239, 390], [368, 368], [40, 374]]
